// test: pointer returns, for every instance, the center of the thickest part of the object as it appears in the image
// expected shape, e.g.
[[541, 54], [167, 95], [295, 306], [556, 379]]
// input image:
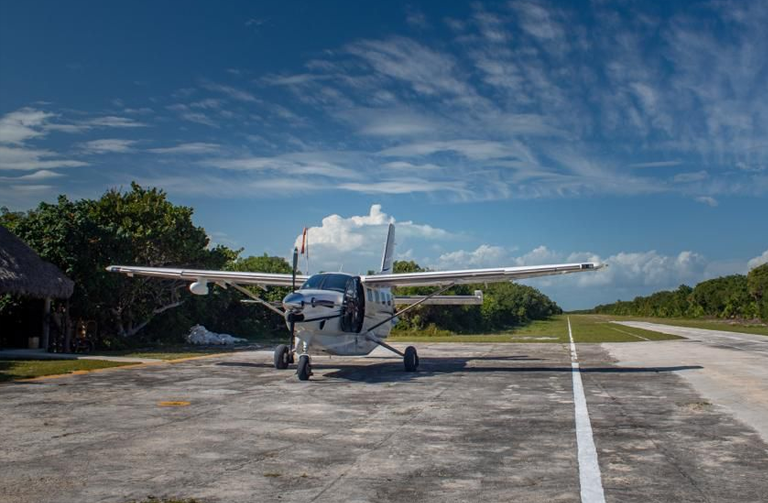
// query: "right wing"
[[218, 277], [497, 275]]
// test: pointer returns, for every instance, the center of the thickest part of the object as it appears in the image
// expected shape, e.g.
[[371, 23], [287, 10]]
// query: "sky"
[[492, 134]]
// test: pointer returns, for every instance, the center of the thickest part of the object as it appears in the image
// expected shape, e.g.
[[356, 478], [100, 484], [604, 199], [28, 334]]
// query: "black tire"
[[411, 359], [305, 369], [282, 357]]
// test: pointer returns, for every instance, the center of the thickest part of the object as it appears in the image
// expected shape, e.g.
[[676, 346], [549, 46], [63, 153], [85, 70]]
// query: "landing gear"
[[411, 359], [283, 357], [305, 368]]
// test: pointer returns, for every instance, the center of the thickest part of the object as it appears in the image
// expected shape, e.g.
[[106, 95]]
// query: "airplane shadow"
[[392, 371]]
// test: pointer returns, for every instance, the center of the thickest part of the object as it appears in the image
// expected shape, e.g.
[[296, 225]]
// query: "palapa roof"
[[24, 273]]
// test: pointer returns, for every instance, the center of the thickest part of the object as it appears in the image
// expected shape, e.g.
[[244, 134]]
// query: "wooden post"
[[46, 323]]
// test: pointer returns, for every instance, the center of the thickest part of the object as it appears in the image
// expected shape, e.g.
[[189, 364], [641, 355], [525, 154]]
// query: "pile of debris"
[[201, 335]]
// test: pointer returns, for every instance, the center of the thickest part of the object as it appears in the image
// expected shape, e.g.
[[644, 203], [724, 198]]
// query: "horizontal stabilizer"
[[442, 300]]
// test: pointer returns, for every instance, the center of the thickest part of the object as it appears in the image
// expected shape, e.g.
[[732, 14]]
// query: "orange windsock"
[[303, 240]]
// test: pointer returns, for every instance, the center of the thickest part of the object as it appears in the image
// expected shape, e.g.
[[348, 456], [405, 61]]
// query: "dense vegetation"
[[141, 227], [504, 305], [137, 227], [735, 296]]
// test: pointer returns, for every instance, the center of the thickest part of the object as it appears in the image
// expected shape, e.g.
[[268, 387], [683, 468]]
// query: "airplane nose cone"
[[293, 302]]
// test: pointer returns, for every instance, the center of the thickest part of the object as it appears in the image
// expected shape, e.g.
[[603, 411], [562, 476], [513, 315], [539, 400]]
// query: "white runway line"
[[589, 470]]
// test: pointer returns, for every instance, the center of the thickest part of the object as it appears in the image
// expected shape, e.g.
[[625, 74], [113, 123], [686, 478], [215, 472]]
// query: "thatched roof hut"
[[24, 273]]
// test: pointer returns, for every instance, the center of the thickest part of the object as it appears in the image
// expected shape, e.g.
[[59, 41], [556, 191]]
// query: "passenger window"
[[370, 295], [376, 296]]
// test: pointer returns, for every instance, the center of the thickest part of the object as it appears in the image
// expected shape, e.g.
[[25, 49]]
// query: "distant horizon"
[[492, 134]]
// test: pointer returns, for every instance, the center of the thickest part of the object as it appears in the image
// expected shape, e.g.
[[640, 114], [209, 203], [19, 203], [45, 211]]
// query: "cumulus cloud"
[[759, 260], [626, 270], [356, 242]]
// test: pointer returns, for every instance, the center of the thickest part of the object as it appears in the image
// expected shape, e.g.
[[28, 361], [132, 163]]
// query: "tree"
[[136, 227], [757, 284], [505, 304]]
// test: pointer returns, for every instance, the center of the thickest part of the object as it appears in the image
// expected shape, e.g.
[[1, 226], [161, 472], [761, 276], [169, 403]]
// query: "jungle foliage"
[[504, 305], [138, 227], [735, 296]]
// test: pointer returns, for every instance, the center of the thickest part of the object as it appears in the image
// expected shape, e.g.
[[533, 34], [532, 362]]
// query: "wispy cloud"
[[231, 92], [107, 146], [28, 159], [193, 148]]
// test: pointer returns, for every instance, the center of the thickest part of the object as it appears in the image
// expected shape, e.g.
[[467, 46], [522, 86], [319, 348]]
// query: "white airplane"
[[341, 314]]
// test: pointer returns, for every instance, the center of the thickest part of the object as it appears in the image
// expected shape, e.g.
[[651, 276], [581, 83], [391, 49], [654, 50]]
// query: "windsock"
[[304, 241]]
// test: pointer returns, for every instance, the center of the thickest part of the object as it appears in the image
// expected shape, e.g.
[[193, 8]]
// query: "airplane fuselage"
[[333, 314]]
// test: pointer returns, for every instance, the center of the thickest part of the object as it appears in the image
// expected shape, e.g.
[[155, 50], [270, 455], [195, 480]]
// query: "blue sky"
[[493, 134]]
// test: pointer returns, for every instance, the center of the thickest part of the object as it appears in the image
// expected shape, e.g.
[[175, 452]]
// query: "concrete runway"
[[478, 422]]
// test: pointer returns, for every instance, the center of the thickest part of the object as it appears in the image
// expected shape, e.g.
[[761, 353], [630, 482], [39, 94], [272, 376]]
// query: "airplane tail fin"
[[387, 261]]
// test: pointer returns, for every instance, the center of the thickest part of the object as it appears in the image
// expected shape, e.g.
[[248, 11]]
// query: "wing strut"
[[256, 298], [371, 337]]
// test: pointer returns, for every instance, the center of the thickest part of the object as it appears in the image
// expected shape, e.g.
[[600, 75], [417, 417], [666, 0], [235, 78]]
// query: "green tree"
[[757, 284], [136, 227]]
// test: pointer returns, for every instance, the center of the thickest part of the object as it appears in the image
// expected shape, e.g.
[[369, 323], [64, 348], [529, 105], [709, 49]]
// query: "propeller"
[[291, 316]]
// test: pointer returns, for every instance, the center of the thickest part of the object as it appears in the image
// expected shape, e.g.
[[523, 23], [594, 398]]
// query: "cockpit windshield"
[[335, 282]]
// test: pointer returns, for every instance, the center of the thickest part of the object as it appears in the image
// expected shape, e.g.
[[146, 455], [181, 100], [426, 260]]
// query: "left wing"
[[497, 275], [218, 277]]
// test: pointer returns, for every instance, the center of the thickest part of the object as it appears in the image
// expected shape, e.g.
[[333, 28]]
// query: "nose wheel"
[[304, 369]]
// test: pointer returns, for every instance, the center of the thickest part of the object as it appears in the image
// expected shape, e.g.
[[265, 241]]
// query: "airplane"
[[336, 313]]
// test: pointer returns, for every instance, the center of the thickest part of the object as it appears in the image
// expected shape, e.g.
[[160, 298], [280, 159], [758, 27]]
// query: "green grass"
[[586, 328], [11, 370], [710, 324], [165, 353]]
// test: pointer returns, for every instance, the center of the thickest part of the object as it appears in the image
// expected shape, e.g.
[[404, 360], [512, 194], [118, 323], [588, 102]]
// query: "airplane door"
[[353, 307]]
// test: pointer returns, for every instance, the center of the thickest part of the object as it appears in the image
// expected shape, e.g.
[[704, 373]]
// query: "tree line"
[[141, 226], [736, 296]]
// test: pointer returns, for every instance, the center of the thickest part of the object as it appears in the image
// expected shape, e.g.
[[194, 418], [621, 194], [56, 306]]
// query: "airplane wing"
[[496, 275], [218, 277]]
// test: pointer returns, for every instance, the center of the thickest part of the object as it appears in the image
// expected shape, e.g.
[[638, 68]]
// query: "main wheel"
[[282, 357], [305, 369], [411, 359]]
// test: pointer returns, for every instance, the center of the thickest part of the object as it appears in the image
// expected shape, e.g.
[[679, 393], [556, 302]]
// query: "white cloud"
[[427, 71], [388, 121], [232, 92], [471, 149], [356, 242], [199, 118], [107, 146], [709, 201], [111, 121], [483, 256], [26, 159], [626, 271], [655, 164], [324, 164], [759, 260], [187, 148], [695, 176], [33, 177], [22, 125]]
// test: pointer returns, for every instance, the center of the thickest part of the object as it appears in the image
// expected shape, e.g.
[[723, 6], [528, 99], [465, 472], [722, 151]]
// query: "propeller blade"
[[295, 265]]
